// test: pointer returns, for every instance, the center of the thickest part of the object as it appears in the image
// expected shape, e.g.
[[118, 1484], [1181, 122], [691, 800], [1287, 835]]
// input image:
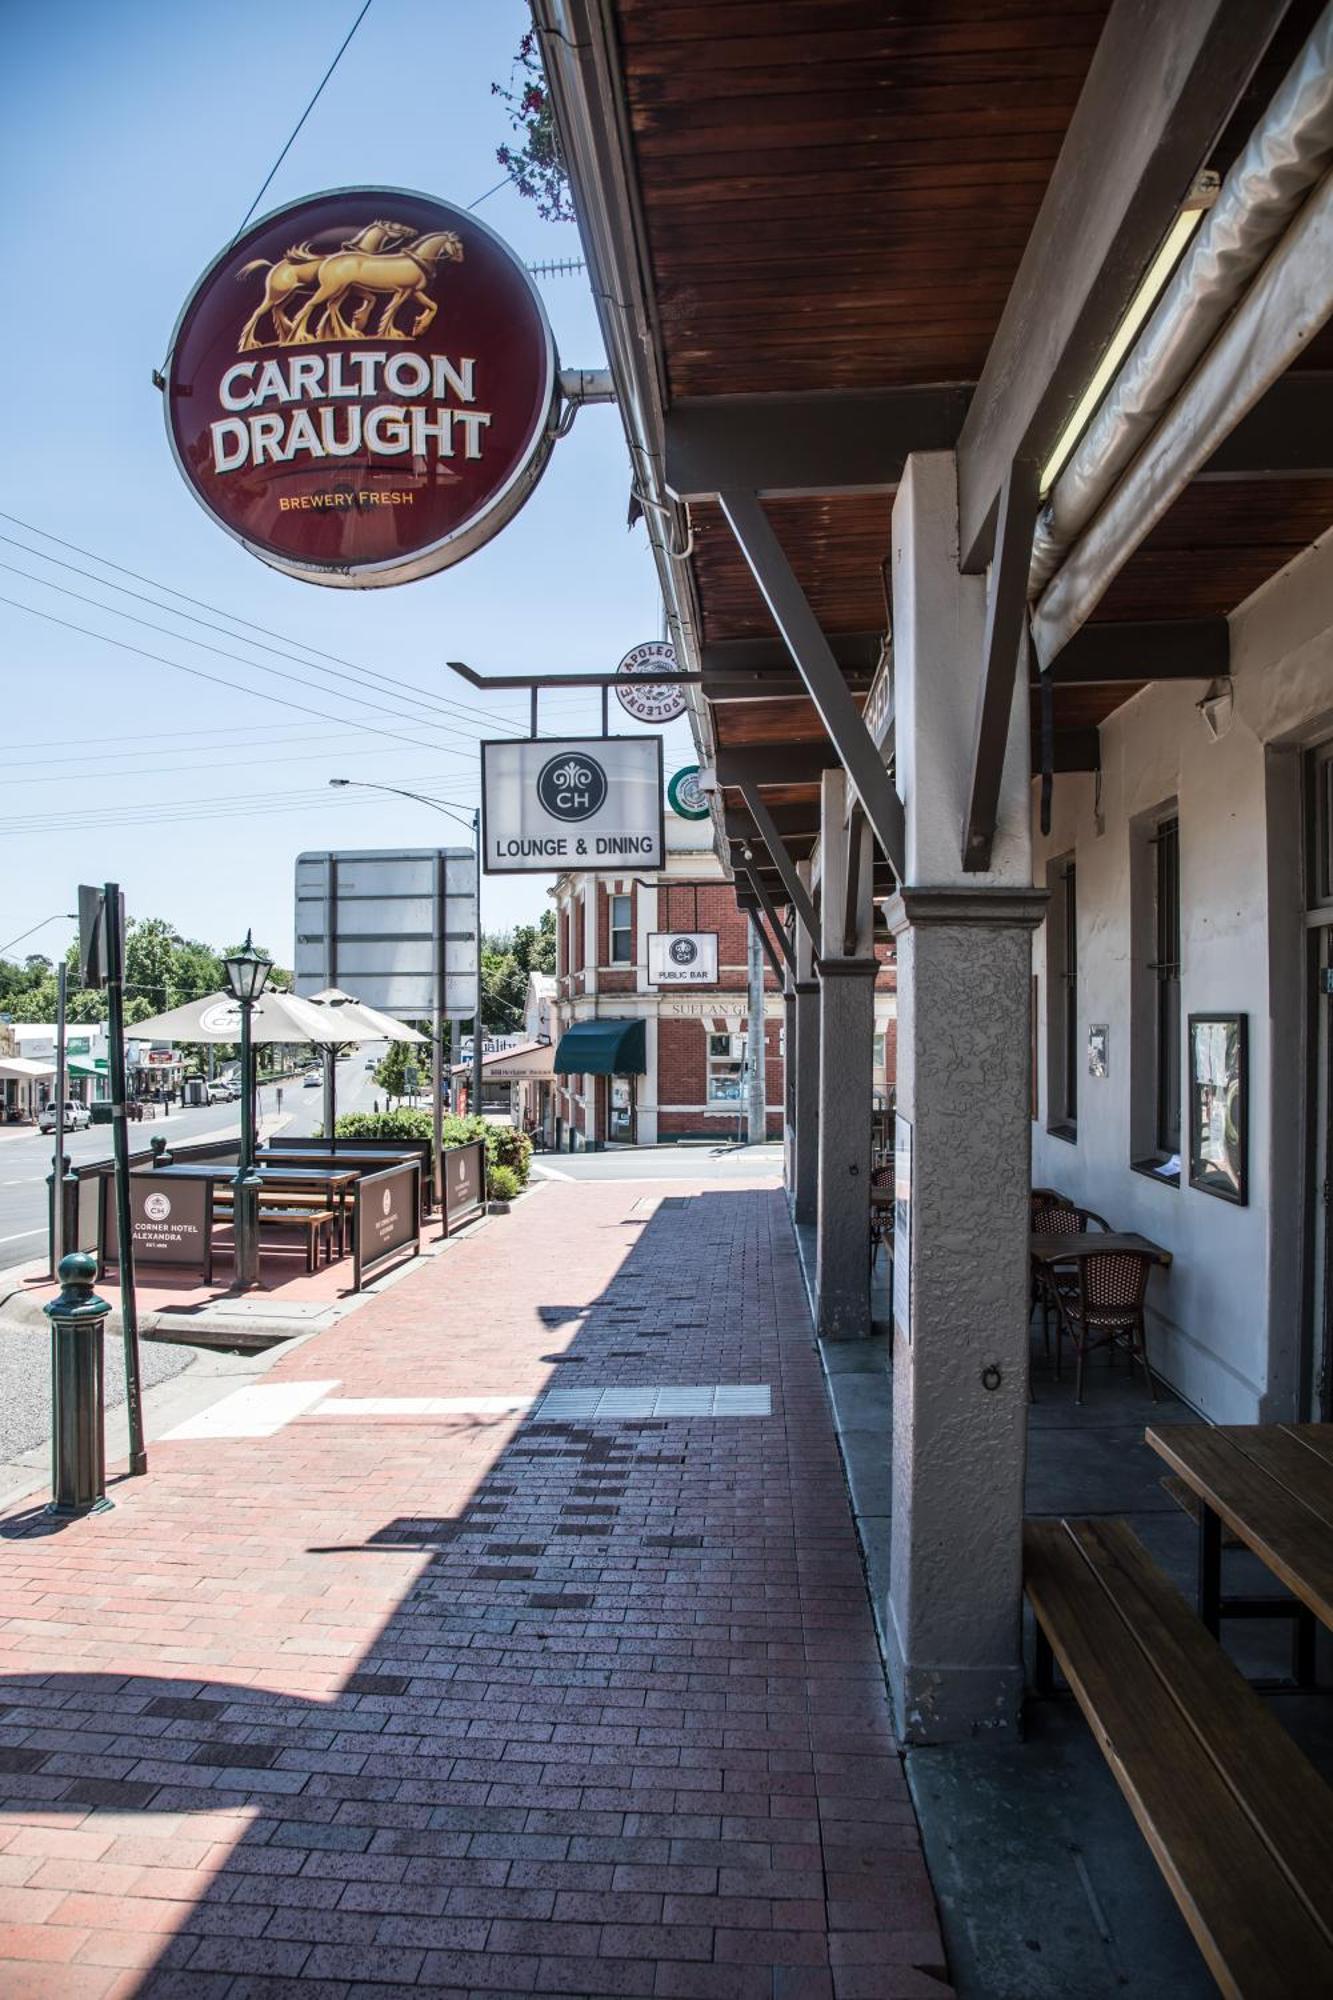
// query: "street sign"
[[386, 924], [685, 795], [362, 387], [587, 803], [682, 958], [646, 698], [411, 1079], [92, 935]]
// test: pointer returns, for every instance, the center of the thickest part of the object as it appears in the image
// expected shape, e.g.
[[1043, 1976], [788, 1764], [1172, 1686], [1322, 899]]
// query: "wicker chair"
[[1105, 1307], [1053, 1215]]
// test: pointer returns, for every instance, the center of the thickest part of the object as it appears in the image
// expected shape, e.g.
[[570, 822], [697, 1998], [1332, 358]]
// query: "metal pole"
[[437, 1037], [120, 1133], [78, 1447], [58, 1243], [244, 1220], [330, 1055], [476, 1025], [754, 1041]]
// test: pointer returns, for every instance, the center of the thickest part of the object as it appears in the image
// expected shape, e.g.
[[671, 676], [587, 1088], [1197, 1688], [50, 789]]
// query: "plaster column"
[[789, 1083], [806, 1090], [842, 1253], [846, 1075], [964, 972]]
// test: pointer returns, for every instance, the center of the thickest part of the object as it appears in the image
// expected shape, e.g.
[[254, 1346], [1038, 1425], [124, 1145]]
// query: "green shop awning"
[[603, 1048]]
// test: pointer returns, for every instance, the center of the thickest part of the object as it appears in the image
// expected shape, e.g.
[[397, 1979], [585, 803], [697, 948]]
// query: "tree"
[[391, 1072], [162, 970], [537, 167], [504, 986], [533, 945]]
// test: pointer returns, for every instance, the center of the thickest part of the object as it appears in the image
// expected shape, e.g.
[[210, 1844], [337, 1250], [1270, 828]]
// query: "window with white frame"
[[726, 1058], [622, 930]]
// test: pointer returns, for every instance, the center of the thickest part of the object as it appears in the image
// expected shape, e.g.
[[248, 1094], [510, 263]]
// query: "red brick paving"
[[476, 1706]]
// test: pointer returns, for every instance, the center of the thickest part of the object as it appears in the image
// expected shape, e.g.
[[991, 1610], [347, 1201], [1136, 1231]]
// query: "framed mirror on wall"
[[1219, 1086]]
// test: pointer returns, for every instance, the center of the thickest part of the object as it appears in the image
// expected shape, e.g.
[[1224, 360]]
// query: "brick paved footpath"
[[468, 1704]]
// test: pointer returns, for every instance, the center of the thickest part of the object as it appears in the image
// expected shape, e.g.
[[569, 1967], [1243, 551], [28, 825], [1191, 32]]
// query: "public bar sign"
[[362, 387], [682, 958], [586, 803]]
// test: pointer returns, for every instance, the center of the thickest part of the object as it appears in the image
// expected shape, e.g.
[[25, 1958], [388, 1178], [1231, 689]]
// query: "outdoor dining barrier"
[[464, 1182], [387, 1225], [370, 1149], [171, 1221], [82, 1187]]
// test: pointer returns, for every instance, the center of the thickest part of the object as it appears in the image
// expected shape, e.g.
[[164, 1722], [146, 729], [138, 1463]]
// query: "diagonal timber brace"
[[805, 641], [1006, 623], [797, 894], [765, 902]]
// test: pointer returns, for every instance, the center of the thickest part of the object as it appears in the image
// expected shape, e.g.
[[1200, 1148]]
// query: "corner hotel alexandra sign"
[[361, 387]]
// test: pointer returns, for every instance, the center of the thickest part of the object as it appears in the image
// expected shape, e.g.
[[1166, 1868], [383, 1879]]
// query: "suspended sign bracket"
[[537, 684]]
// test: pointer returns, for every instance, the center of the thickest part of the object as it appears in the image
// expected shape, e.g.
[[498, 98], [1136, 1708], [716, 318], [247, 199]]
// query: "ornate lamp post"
[[247, 976]]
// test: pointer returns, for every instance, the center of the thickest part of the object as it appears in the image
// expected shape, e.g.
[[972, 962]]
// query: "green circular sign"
[[685, 795]]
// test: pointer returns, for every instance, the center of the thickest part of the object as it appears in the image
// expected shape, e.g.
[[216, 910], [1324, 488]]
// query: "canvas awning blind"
[[603, 1048]]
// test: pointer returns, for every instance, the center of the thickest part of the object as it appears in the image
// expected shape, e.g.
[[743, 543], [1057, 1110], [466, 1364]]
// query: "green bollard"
[[78, 1441]]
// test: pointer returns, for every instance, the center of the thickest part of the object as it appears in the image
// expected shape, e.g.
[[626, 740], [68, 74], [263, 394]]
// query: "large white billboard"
[[582, 802], [391, 927], [682, 958]]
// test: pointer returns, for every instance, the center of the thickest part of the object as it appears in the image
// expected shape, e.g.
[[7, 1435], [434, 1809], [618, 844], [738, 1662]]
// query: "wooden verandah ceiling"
[[836, 196]]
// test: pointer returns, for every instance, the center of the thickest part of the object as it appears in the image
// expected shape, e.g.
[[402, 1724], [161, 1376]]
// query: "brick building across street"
[[680, 1051]]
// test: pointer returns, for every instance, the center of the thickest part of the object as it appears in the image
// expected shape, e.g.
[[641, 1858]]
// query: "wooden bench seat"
[[1240, 1823], [318, 1223]]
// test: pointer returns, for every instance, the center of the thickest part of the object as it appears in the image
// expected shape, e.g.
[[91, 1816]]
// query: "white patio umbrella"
[[277, 1017], [348, 1008]]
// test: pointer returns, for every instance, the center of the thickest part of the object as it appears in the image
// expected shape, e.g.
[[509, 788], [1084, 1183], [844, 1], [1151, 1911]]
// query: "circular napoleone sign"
[[643, 698], [685, 796], [361, 387]]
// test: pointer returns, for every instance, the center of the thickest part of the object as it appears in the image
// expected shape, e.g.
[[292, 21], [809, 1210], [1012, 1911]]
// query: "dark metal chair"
[[1105, 1308]]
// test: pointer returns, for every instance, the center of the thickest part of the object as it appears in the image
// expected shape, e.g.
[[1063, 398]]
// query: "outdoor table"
[[1051, 1249], [336, 1182], [1272, 1485]]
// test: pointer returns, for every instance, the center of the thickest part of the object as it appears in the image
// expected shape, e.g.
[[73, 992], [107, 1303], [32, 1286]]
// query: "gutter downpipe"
[[578, 50], [1287, 153]]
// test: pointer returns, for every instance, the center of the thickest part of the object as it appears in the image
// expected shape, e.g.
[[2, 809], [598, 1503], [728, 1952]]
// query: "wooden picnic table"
[[335, 1181], [1272, 1486], [1051, 1249]]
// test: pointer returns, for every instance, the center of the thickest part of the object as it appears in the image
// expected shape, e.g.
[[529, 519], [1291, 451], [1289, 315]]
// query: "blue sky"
[[137, 134]]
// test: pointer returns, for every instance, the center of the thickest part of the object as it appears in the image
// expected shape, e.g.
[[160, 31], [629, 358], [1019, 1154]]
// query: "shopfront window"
[[726, 1058]]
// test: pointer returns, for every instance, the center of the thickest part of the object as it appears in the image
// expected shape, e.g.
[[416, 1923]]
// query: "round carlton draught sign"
[[362, 387]]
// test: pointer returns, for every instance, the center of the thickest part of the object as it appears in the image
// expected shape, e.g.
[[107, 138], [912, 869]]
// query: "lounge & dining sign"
[[587, 803]]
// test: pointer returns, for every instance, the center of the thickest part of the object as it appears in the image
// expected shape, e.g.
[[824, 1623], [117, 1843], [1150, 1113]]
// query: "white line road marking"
[[261, 1411], [22, 1233], [550, 1173]]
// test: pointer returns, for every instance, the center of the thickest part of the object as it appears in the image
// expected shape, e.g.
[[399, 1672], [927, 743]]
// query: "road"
[[25, 1156]]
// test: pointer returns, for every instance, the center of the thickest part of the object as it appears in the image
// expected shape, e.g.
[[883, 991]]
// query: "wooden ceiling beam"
[[774, 764], [785, 446], [1288, 434], [1186, 649], [1160, 88]]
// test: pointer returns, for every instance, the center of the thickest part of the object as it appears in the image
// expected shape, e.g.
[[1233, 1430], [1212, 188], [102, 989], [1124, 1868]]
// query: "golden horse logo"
[[378, 260]]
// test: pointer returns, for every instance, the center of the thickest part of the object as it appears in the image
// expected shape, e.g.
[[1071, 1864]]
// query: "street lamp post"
[[247, 976], [424, 799]]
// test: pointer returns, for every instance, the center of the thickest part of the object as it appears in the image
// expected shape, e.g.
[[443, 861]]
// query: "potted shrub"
[[502, 1187]]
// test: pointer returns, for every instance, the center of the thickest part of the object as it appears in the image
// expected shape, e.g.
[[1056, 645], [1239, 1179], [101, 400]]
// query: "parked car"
[[372, 1062], [222, 1091], [313, 1080], [77, 1116]]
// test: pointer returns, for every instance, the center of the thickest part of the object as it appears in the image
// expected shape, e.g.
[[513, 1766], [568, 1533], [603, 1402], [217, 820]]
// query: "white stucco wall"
[[1237, 1271]]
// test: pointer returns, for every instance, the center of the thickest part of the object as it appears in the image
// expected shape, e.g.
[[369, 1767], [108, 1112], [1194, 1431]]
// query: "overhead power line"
[[292, 135], [396, 683], [198, 673]]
